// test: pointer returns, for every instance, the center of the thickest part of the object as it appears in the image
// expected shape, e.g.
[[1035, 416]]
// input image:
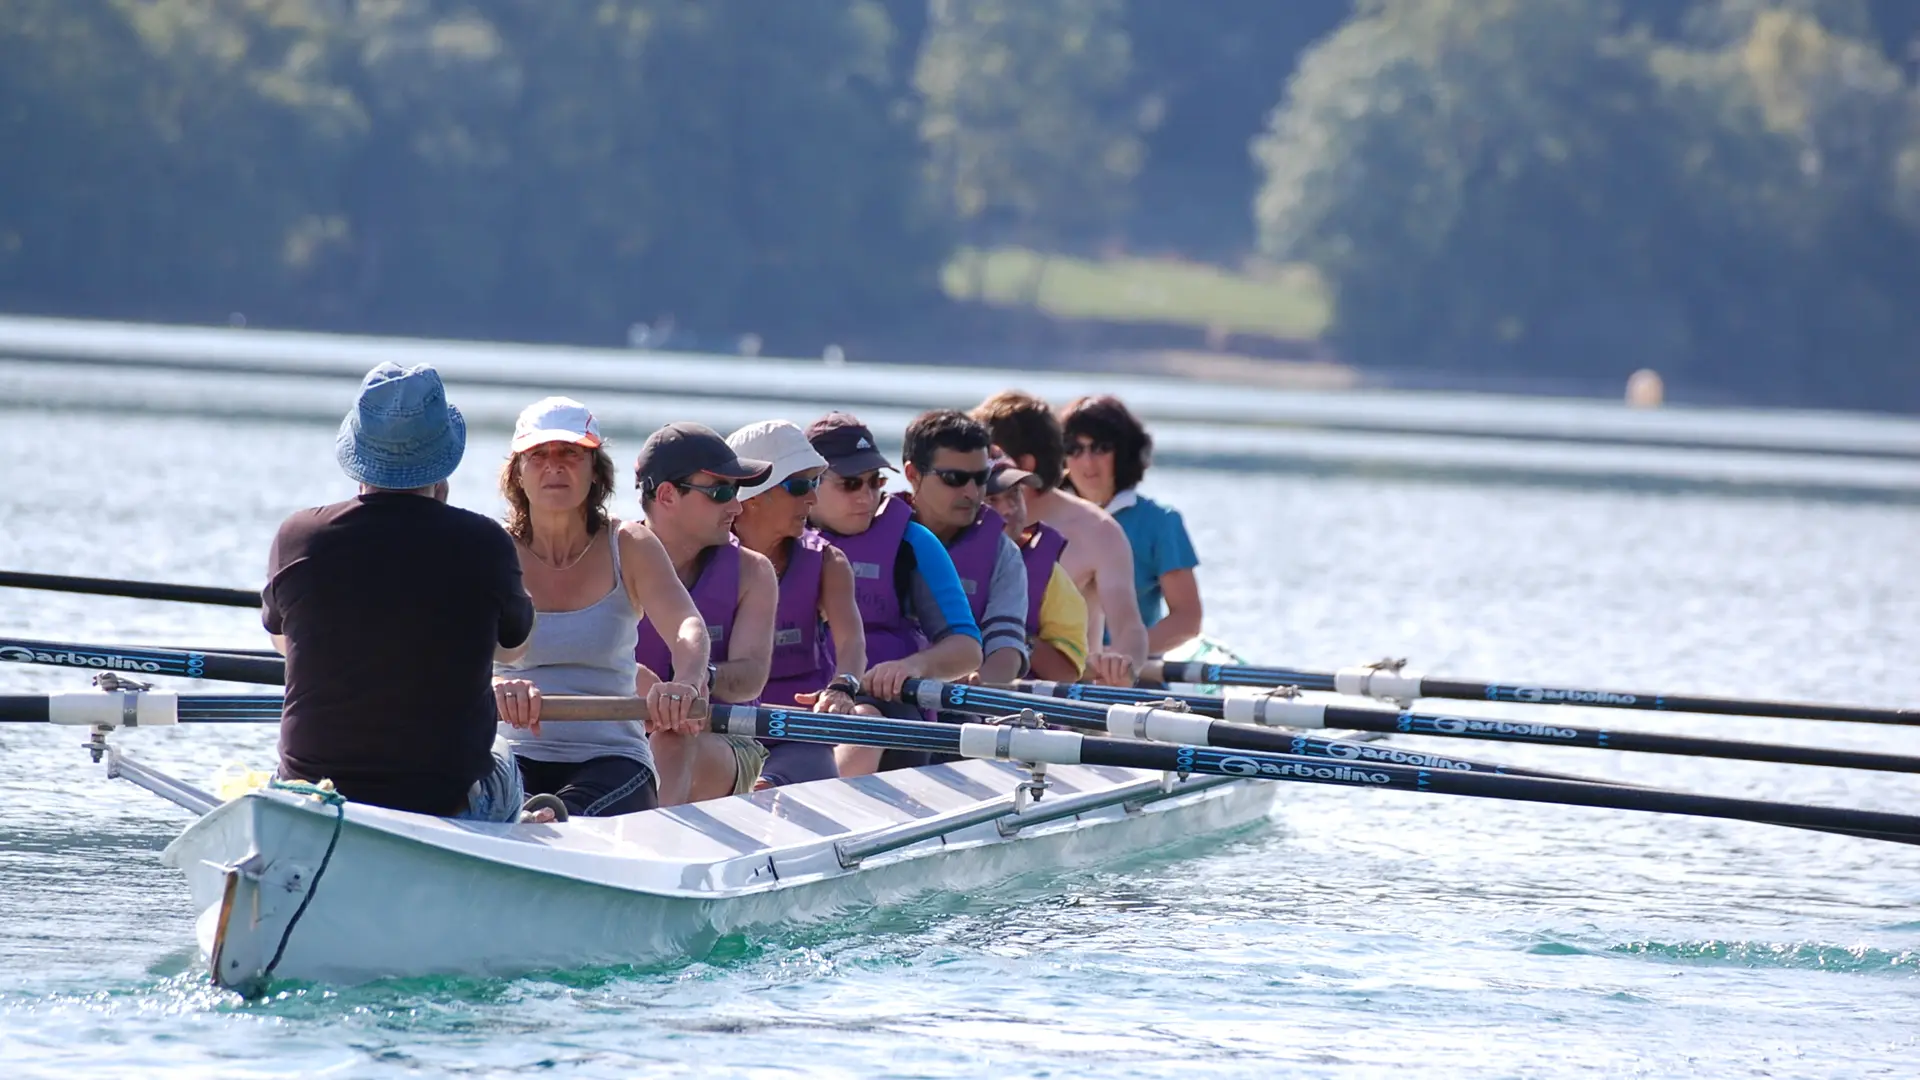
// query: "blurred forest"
[[1725, 190]]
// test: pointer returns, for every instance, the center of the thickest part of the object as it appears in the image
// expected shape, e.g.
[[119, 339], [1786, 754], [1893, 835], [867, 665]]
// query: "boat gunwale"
[[491, 843]]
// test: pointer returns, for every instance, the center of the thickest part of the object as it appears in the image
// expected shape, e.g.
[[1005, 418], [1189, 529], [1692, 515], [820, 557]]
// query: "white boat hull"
[[410, 895]]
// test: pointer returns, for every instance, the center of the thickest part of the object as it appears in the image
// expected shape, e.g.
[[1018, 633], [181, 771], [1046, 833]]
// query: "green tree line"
[[1725, 190]]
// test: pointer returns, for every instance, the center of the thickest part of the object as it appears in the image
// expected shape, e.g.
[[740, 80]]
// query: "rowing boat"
[[294, 882], [402, 894]]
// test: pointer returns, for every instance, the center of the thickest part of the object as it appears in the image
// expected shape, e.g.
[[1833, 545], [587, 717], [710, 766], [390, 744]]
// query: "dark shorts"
[[602, 787], [790, 762]]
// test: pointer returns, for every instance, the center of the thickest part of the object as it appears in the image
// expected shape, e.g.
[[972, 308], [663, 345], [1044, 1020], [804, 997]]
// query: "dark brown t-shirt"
[[392, 605]]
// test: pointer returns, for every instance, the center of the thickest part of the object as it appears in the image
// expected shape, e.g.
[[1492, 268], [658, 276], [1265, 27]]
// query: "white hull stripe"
[[713, 828], [788, 808], [949, 777], [887, 793]]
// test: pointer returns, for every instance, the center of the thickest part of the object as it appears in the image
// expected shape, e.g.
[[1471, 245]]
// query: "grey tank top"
[[585, 651]]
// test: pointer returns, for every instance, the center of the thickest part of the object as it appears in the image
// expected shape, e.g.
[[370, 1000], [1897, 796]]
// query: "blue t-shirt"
[[1160, 546], [938, 601]]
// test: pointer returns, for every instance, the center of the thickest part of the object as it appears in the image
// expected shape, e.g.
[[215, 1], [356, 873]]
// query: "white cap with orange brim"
[[554, 420]]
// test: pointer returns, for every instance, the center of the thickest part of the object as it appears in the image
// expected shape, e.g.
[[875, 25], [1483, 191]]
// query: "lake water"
[[1351, 935]]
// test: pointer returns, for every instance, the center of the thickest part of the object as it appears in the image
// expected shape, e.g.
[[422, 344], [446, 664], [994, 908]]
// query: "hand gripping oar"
[[1281, 711], [1389, 682], [138, 661], [1012, 743], [1139, 719], [139, 590]]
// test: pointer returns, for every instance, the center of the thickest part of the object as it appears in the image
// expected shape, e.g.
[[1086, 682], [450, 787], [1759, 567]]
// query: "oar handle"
[[568, 707]]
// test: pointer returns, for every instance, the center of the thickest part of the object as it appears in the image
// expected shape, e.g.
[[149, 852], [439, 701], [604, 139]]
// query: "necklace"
[[569, 564]]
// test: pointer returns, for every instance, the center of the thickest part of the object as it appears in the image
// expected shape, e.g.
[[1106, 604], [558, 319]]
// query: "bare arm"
[[1113, 578], [655, 589], [952, 657], [1182, 621], [743, 675], [1051, 664], [1002, 666], [842, 612]]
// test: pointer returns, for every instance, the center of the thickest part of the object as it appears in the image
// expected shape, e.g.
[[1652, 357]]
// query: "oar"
[[154, 708], [135, 709], [1287, 712], [139, 590], [1391, 684], [219, 650], [1071, 748], [1142, 721], [136, 661]]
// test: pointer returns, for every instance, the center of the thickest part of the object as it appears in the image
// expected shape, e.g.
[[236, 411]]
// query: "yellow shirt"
[[1063, 618]]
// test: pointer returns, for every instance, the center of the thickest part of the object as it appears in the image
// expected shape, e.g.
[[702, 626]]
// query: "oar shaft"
[[139, 590], [1068, 748], [1396, 686], [138, 662], [1489, 729], [153, 708], [1138, 720]]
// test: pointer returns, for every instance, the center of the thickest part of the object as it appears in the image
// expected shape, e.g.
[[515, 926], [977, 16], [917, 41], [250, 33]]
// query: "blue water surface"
[[1351, 935]]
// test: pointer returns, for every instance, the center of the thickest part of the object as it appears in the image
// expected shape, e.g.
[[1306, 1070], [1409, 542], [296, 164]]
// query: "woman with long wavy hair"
[[1108, 452], [592, 578]]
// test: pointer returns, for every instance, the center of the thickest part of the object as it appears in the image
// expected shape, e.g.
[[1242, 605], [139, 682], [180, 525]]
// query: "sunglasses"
[[719, 493], [1077, 448], [799, 486], [959, 478], [851, 484]]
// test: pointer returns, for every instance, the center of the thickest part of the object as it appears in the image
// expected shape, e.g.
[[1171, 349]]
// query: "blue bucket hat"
[[401, 433]]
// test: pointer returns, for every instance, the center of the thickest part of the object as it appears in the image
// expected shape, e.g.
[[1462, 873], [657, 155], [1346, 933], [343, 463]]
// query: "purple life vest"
[[891, 634], [975, 551], [802, 658], [1041, 549], [716, 595]]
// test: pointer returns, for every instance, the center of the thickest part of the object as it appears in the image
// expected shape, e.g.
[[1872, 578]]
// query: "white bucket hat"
[[554, 419], [777, 441]]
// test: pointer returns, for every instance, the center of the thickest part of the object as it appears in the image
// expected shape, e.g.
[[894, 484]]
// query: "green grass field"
[[1287, 302]]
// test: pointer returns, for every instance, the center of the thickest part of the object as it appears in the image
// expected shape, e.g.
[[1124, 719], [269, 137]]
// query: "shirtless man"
[[1098, 554]]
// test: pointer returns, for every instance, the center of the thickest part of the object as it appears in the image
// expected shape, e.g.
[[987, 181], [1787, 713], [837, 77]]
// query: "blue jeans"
[[498, 795]]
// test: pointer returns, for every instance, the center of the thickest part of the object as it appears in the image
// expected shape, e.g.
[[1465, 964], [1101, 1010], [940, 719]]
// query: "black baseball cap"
[[1003, 474], [846, 443], [679, 450]]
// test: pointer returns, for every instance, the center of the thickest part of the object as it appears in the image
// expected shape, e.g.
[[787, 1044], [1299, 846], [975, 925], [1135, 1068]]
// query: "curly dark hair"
[[1023, 425], [599, 493], [1104, 418], [942, 429]]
